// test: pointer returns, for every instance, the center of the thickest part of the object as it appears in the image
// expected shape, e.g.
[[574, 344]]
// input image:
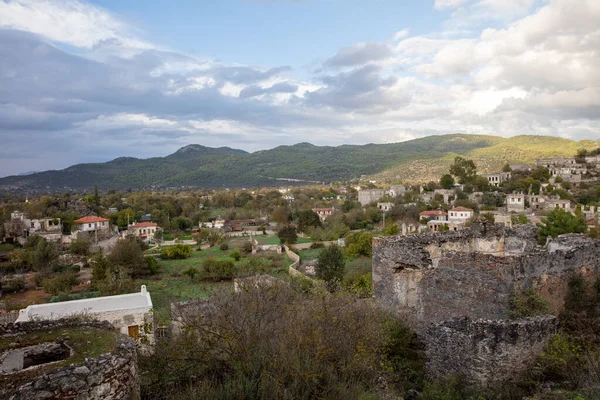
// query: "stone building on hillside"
[[368, 196], [515, 202]]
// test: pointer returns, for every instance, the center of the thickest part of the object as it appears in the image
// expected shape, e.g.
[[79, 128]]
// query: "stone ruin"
[[433, 279], [29, 373]]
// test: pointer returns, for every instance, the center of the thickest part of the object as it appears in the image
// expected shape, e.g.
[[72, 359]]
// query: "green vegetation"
[[330, 265], [560, 221], [176, 252], [529, 303], [214, 168]]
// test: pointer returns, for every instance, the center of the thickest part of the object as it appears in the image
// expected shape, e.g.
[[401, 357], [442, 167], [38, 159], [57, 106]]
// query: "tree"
[[506, 168], [80, 246], [202, 236], [96, 200], [128, 254], [287, 235], [99, 267], [307, 219], [44, 255], [359, 244], [465, 170], [280, 215], [559, 221], [447, 181], [214, 237], [61, 283], [330, 265]]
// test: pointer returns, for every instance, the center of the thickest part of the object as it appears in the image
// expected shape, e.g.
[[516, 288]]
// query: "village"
[[145, 262]]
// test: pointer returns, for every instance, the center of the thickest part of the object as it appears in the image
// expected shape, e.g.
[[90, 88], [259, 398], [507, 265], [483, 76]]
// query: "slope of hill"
[[416, 160]]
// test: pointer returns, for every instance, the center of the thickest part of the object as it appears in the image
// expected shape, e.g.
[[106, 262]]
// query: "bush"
[[13, 285], [224, 247], [60, 283], [74, 296], [359, 284], [359, 244], [81, 246], [191, 272], [527, 304], [66, 268], [176, 252], [152, 265], [218, 270], [330, 265], [253, 266], [247, 248], [273, 342], [236, 255]]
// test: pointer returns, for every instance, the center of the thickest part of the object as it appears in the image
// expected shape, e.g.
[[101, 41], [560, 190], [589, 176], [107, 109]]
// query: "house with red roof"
[[460, 214], [143, 230], [91, 224], [433, 215]]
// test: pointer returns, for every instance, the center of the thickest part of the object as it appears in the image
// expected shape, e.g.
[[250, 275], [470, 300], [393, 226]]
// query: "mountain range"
[[413, 161]]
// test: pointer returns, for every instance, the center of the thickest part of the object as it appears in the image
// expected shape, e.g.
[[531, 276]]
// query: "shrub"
[[60, 283], [359, 244], [236, 255], [176, 252], [359, 284], [13, 285], [81, 246], [191, 272], [252, 266], [527, 304], [152, 265], [224, 247], [217, 270], [330, 265], [561, 360], [66, 268], [247, 248]]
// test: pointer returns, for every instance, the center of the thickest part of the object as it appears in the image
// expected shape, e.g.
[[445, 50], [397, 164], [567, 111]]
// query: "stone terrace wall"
[[486, 352], [436, 277], [111, 376]]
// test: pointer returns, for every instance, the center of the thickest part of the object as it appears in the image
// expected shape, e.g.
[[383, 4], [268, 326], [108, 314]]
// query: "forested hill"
[[416, 160]]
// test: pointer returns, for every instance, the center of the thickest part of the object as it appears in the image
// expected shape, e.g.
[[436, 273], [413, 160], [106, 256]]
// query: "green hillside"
[[418, 160]]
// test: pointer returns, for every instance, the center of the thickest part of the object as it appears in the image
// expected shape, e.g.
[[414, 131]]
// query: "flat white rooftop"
[[97, 305]]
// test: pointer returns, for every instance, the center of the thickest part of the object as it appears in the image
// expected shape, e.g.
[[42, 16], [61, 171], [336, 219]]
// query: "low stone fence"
[[485, 352], [293, 271], [111, 376]]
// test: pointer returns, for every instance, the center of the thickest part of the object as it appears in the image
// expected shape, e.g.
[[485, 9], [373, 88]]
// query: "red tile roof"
[[432, 212], [461, 209], [144, 225], [89, 220]]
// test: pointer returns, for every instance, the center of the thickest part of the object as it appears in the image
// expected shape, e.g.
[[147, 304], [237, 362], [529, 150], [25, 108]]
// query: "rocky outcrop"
[[484, 352], [436, 277]]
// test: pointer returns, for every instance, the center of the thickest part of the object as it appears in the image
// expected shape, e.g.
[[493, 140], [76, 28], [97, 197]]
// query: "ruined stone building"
[[456, 288]]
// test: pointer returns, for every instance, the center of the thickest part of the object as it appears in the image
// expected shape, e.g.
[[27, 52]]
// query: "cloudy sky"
[[91, 81]]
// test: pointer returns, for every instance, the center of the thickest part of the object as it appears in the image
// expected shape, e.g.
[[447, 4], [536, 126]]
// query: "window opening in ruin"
[[134, 331]]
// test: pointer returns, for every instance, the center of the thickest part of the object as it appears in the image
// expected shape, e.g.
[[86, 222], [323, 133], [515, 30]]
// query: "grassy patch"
[[309, 254], [272, 240], [361, 265]]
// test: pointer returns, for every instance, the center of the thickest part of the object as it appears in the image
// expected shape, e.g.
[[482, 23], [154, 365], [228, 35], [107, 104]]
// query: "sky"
[[89, 81]]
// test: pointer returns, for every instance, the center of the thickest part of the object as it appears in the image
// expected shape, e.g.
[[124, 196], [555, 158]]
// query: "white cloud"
[[441, 4], [77, 23]]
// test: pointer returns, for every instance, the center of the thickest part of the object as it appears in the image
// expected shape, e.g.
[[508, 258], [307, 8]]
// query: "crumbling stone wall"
[[485, 352], [111, 376], [436, 277]]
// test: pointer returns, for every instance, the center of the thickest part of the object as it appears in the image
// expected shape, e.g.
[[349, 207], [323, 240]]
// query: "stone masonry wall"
[[484, 352], [111, 376], [436, 277]]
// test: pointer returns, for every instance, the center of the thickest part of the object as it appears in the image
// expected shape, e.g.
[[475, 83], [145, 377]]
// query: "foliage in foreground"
[[273, 341]]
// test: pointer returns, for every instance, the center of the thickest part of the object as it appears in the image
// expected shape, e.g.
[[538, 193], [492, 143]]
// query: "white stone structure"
[[460, 214], [143, 230], [515, 202], [130, 314], [368, 196], [397, 190], [497, 179], [323, 213], [385, 207]]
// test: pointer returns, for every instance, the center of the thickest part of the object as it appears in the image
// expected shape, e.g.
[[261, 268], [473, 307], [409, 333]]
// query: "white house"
[[91, 224], [130, 314], [143, 230], [460, 214]]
